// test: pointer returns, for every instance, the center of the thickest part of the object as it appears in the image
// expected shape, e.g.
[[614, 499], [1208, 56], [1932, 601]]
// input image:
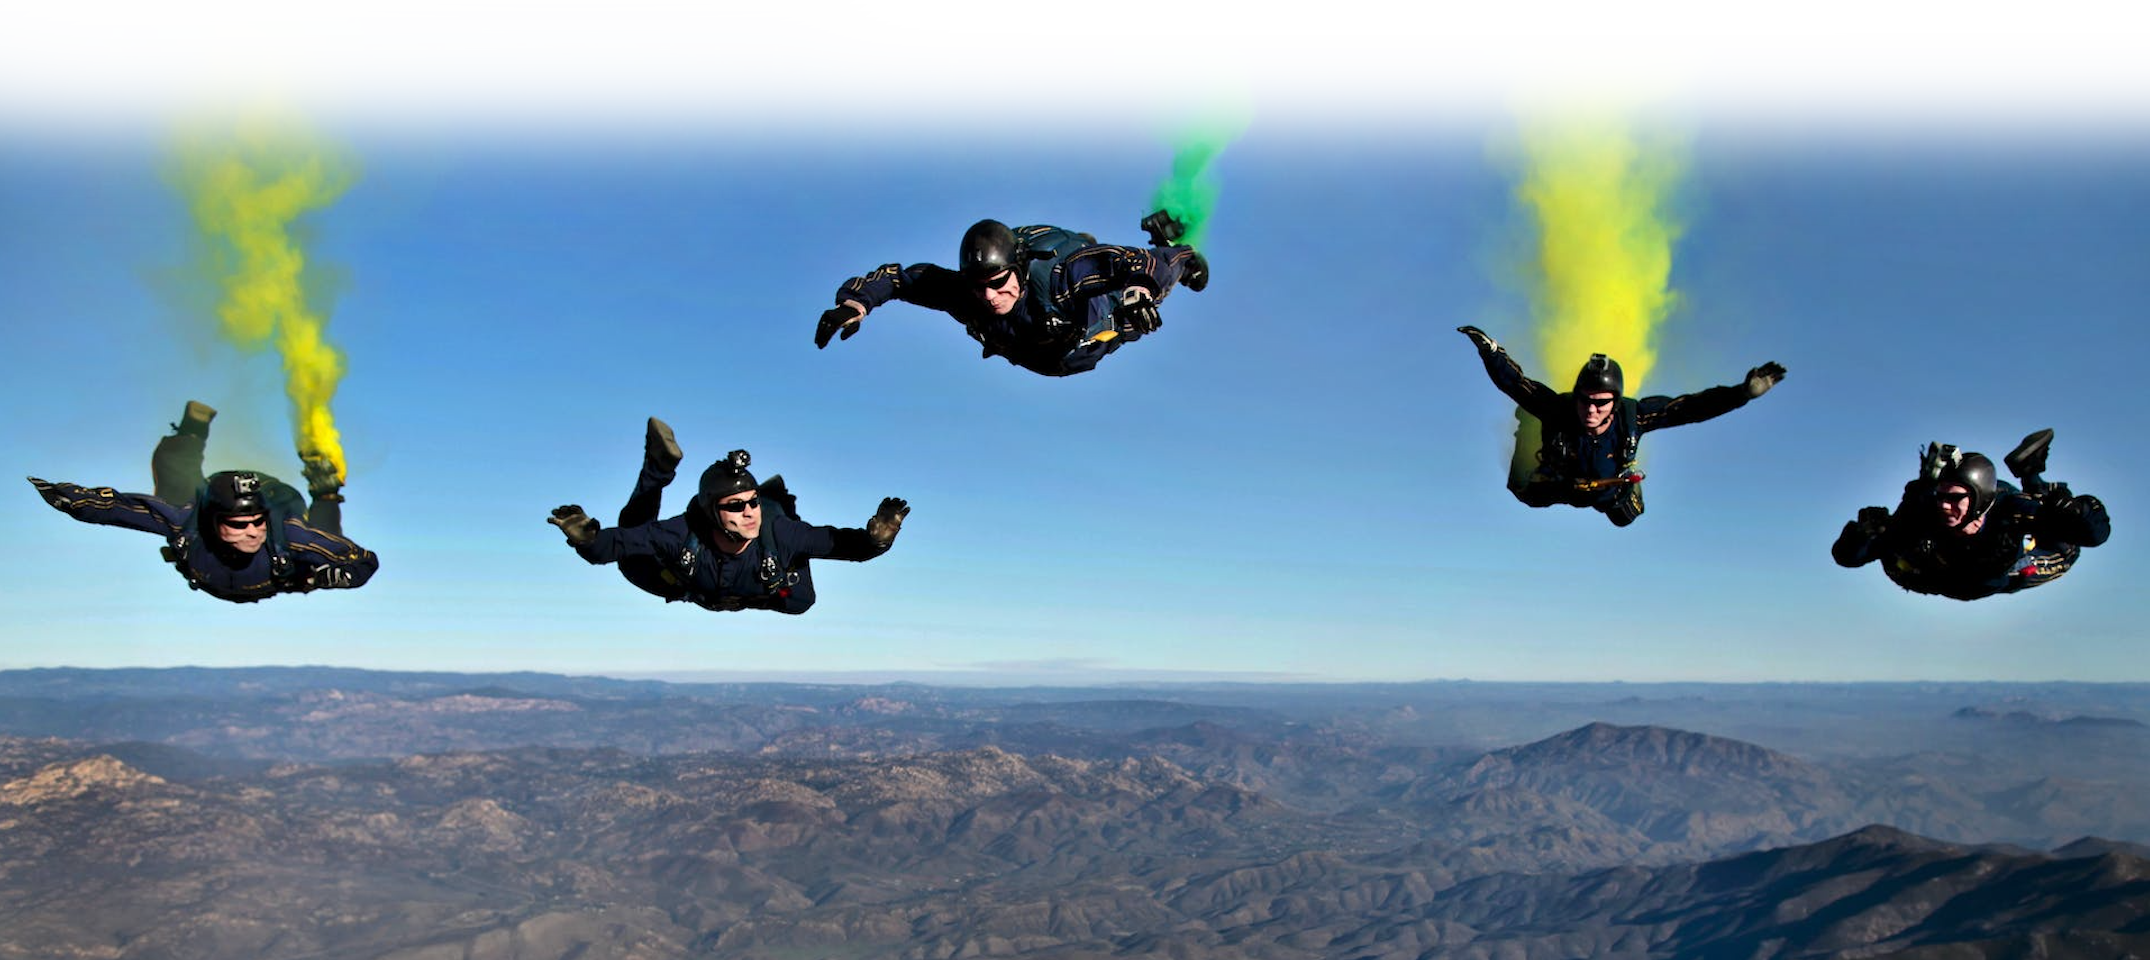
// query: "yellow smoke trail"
[[245, 192], [1602, 277]]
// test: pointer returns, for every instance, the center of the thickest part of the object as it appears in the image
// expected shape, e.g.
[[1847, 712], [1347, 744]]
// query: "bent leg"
[[326, 515], [175, 468], [660, 461]]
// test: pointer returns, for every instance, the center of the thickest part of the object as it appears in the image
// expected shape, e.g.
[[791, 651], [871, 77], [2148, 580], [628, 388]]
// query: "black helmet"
[[989, 249], [1944, 464], [1600, 375], [724, 478], [234, 493]]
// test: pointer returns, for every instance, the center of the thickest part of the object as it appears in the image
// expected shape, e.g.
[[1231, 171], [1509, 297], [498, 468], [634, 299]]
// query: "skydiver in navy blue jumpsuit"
[[236, 535], [1960, 532], [725, 552], [1049, 300], [660, 463], [1591, 434]]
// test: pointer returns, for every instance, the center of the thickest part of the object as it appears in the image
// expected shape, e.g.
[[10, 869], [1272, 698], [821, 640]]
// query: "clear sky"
[[1299, 476]]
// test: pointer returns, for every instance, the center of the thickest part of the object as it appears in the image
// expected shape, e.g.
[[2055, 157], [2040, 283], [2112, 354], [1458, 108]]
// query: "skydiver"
[[1960, 532], [237, 535], [660, 462], [1049, 300], [724, 553], [1590, 436]]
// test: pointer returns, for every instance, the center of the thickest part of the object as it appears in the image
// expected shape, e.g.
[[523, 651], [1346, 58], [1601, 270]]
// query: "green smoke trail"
[[1190, 193]]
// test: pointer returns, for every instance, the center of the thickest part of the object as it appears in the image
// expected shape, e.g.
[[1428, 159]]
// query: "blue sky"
[[1300, 476]]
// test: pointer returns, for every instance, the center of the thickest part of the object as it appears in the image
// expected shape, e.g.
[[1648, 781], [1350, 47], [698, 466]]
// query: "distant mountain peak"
[[1600, 743], [73, 778]]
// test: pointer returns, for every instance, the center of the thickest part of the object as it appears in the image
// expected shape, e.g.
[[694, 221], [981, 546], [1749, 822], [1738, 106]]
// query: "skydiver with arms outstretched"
[[1049, 300], [727, 551], [1960, 532], [237, 535], [1592, 433]]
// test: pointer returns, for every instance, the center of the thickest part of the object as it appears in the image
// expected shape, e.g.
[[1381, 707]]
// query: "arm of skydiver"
[[660, 538], [330, 561], [1657, 413], [847, 543], [2079, 520], [1856, 546], [109, 507], [1535, 398], [923, 284]]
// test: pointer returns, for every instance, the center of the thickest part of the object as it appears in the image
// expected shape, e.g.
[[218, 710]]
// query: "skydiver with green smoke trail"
[[1592, 433], [1049, 300]]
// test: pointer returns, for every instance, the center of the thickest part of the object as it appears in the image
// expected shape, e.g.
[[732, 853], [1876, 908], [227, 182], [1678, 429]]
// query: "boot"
[[659, 446], [2027, 461], [1195, 275], [1163, 228], [321, 480], [195, 421]]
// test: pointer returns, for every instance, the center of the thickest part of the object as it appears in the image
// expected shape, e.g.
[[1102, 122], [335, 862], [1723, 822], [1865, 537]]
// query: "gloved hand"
[[1137, 312], [1761, 378], [888, 521], [844, 317], [578, 526], [1872, 522], [1485, 343], [327, 578], [49, 491]]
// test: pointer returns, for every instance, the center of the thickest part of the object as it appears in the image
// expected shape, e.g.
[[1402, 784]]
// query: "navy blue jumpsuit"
[[1067, 300], [1567, 454]]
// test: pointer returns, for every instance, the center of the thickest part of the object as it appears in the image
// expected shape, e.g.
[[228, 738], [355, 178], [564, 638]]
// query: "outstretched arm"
[[853, 543], [924, 284], [331, 562], [1657, 413], [1538, 399], [598, 545], [109, 507], [1856, 546]]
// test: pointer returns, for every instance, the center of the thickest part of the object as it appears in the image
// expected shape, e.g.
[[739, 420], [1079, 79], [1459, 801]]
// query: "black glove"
[[888, 521], [327, 578], [1136, 313], [1872, 522], [1485, 343], [1761, 378], [578, 526], [844, 316], [49, 491]]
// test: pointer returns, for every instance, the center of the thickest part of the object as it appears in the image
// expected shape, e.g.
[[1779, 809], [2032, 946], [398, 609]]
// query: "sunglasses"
[[999, 280], [740, 506], [1948, 497], [1595, 401], [234, 523]]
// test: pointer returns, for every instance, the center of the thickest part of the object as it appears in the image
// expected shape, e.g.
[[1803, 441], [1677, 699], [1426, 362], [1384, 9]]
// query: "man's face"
[[1952, 504], [245, 532], [740, 514], [1000, 293], [1596, 409]]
